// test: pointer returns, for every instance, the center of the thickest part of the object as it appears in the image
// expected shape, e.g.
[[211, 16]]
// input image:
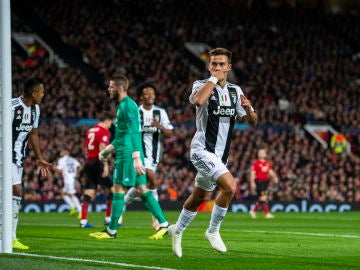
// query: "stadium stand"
[[297, 65]]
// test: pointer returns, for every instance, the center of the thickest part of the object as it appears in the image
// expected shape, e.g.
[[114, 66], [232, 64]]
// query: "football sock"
[[68, 200], [155, 194], [85, 207], [117, 209], [16, 201], [76, 202], [108, 205], [130, 196], [184, 220], [265, 207], [257, 206], [217, 216], [153, 206]]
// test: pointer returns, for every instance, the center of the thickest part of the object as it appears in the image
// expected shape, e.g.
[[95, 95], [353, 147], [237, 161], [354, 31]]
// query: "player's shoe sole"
[[215, 241]]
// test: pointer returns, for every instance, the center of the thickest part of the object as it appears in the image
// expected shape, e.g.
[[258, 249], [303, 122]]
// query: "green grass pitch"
[[290, 241]]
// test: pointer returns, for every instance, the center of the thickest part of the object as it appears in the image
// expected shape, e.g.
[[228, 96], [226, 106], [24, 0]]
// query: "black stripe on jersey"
[[156, 136], [16, 129], [234, 99], [212, 126], [142, 133]]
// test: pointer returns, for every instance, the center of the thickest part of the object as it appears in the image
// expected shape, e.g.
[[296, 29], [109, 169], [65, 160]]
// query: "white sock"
[[67, 199], [83, 221], [76, 203], [16, 201], [130, 196], [184, 220], [154, 193], [217, 216]]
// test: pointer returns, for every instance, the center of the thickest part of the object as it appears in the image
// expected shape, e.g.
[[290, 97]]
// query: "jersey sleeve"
[[134, 127], [37, 117], [196, 87], [165, 122], [105, 137]]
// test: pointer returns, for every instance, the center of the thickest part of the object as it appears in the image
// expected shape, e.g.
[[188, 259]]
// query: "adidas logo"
[[213, 98], [18, 117]]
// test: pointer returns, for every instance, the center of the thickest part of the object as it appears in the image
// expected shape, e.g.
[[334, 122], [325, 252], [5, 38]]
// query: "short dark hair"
[[31, 86], [105, 115], [120, 80], [141, 87], [221, 51]]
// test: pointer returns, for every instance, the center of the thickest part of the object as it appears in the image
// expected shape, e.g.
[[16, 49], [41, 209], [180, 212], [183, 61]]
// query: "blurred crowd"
[[295, 65]]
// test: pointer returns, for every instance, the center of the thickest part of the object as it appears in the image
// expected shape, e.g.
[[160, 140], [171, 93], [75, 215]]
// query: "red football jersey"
[[261, 169], [94, 137]]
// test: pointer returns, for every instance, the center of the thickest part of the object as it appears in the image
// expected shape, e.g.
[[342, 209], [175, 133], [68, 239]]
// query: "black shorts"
[[261, 187], [93, 169]]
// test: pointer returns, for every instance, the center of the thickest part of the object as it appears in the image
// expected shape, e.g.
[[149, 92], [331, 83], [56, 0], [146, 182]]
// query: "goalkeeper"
[[129, 170]]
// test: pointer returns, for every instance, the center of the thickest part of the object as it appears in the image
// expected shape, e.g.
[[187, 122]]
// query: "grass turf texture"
[[290, 241]]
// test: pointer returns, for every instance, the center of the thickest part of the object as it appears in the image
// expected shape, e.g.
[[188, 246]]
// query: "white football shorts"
[[69, 187], [150, 164], [209, 167], [17, 173]]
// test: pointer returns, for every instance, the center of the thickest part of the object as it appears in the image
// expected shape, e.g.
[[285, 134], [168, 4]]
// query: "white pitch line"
[[304, 233], [92, 261]]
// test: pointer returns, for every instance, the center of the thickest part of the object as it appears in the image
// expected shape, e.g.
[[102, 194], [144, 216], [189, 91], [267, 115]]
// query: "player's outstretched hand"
[[43, 167]]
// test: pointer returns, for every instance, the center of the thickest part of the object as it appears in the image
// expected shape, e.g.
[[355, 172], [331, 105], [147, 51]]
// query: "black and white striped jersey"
[[152, 136], [24, 119], [215, 119]]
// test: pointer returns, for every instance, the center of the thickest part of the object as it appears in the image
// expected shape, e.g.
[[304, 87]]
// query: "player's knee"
[[87, 198]]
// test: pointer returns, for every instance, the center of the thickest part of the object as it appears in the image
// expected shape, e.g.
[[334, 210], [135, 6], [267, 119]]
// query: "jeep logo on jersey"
[[23, 127], [224, 111], [149, 129]]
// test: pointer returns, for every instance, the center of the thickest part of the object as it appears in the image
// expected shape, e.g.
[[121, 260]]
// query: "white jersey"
[[68, 165], [152, 136], [215, 119], [24, 119]]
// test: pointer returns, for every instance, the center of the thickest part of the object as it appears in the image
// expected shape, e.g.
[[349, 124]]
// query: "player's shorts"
[[124, 174], [69, 187], [209, 166], [17, 173], [261, 187], [150, 164], [93, 170]]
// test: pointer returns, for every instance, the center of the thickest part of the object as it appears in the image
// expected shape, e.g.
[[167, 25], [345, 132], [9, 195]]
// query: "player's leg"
[[17, 192], [89, 195], [264, 201], [66, 193], [123, 176], [154, 207], [153, 183], [186, 216], [106, 183], [117, 209], [227, 187], [257, 205]]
